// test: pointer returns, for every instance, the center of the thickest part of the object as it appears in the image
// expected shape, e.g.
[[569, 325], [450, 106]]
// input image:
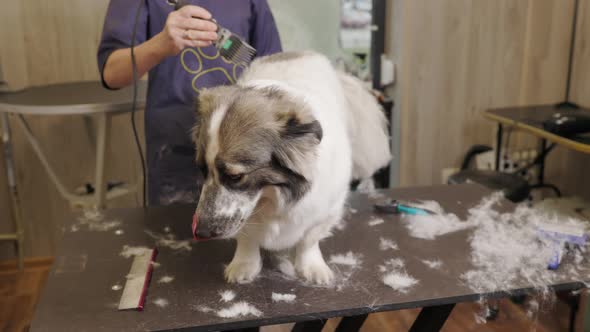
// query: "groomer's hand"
[[186, 27]]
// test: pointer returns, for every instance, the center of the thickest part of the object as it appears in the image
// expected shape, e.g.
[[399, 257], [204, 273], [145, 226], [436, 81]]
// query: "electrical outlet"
[[486, 161]]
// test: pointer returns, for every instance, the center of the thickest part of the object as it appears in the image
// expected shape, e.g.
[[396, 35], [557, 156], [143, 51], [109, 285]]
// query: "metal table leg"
[[432, 319], [309, 326], [104, 125], [499, 136], [18, 236], [352, 323]]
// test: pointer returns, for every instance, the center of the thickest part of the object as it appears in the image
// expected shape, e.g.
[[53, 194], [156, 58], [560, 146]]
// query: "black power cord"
[[134, 104]]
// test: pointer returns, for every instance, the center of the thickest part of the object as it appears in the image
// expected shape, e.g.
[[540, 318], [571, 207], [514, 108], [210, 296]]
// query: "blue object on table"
[[397, 207], [560, 235]]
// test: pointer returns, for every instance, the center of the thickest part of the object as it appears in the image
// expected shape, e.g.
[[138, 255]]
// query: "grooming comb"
[[230, 46], [138, 280]]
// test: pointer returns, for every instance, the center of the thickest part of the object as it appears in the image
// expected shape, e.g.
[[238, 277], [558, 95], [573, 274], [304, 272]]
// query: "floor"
[[19, 292]]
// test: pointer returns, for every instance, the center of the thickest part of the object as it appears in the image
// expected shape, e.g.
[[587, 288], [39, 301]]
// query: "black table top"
[[72, 98], [79, 295], [531, 118]]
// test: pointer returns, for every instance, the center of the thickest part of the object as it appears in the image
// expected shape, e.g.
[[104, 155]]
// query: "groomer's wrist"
[[162, 46]]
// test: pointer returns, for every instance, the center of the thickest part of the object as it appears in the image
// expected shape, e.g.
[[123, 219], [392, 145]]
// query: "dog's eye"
[[235, 177]]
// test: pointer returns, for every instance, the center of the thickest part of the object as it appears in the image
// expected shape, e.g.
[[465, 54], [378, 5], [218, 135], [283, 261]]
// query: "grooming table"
[[79, 295], [80, 98]]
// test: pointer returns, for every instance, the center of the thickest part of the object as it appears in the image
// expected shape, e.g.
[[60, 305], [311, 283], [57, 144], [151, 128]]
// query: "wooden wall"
[[53, 41], [456, 58]]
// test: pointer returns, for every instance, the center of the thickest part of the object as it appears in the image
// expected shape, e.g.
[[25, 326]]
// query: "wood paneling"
[[580, 84], [456, 58]]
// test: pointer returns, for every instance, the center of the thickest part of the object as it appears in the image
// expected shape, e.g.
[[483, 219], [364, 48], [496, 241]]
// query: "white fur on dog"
[[354, 145]]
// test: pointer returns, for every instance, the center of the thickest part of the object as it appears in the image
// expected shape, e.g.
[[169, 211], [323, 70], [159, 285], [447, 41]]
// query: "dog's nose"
[[201, 229]]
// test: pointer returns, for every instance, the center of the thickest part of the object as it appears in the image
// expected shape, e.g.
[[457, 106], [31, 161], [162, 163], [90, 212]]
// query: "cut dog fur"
[[279, 150]]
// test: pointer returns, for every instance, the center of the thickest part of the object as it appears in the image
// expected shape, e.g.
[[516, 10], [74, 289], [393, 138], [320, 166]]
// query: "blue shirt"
[[173, 85]]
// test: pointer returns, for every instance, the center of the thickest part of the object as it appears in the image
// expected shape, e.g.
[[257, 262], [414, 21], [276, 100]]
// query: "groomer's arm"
[[187, 27]]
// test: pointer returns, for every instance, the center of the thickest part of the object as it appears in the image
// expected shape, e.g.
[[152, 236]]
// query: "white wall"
[[308, 24]]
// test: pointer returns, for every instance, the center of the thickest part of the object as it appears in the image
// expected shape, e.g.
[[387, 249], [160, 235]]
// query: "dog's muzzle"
[[201, 232]]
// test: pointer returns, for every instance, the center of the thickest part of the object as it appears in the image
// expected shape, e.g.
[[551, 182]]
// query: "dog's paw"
[[242, 272], [316, 272]]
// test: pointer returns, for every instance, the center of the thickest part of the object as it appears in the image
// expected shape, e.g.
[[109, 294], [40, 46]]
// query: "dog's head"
[[255, 146]]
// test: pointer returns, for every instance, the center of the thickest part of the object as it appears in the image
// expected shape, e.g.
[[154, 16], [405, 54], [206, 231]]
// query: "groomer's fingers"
[[197, 24], [198, 43], [200, 35], [195, 11]]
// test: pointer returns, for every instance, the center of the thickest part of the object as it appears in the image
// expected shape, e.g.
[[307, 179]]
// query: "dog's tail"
[[367, 128]]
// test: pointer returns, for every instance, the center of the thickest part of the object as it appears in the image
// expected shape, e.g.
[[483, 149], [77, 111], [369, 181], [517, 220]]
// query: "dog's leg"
[[310, 264], [246, 263], [309, 261]]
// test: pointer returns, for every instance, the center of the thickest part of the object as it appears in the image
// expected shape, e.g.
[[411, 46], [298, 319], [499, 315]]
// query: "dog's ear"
[[299, 135]]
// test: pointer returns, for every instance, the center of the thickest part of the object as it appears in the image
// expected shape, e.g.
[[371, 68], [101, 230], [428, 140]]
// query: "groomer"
[[175, 47]]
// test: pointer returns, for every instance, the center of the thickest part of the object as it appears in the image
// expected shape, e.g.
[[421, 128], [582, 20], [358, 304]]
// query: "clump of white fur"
[[506, 250], [433, 264], [349, 259], [94, 219], [169, 241], [430, 227], [166, 279], [376, 221], [160, 302], [386, 244], [130, 251], [239, 309], [277, 297], [395, 275], [227, 295]]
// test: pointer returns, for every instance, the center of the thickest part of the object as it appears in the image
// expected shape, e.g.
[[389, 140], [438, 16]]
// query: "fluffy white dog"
[[279, 150]]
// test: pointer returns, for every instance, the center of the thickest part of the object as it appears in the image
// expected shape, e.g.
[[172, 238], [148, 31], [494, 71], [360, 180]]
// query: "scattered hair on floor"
[[433, 264], [387, 244], [130, 251], [349, 259], [376, 221], [277, 297], [227, 295], [166, 279], [239, 309], [395, 275], [116, 287], [169, 241], [161, 302]]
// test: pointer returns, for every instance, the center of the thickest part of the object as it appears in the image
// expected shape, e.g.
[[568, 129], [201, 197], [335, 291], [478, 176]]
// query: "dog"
[[279, 150]]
